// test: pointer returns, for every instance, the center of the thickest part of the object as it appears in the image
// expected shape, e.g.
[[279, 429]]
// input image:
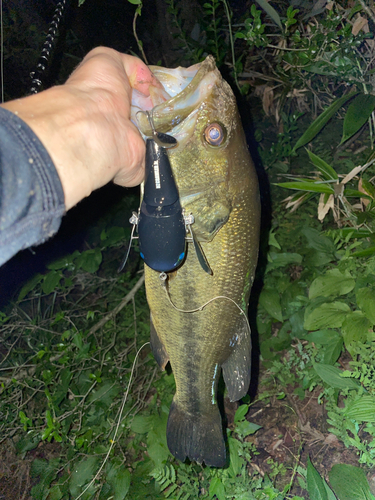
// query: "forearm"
[[31, 195]]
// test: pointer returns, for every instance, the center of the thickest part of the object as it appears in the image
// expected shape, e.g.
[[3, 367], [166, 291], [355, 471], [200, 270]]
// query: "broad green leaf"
[[119, 479], [315, 485], [135, 2], [271, 12], [321, 121], [332, 350], [332, 283], [246, 428], [359, 111], [366, 302], [310, 186], [105, 394], [331, 375], [327, 315], [83, 472], [217, 488], [355, 328], [142, 424], [276, 260], [240, 413], [362, 410], [330, 494], [368, 187], [326, 170], [318, 241], [349, 483], [30, 285], [270, 301], [51, 280], [90, 260]]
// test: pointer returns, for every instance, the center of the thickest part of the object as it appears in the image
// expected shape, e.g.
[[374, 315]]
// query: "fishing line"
[[164, 278], [113, 440]]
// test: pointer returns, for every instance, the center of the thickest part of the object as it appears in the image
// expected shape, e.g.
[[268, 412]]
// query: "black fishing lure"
[[161, 222]]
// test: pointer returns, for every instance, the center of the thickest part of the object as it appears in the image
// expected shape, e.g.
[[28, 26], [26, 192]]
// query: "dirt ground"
[[291, 430]]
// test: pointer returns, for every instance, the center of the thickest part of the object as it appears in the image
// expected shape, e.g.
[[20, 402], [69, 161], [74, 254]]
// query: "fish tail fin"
[[197, 437]]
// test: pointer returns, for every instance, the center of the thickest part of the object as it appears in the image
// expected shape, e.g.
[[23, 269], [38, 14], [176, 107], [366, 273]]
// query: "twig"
[[120, 306], [367, 10]]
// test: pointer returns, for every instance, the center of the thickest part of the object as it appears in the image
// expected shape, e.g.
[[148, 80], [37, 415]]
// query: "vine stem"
[[231, 43], [137, 13]]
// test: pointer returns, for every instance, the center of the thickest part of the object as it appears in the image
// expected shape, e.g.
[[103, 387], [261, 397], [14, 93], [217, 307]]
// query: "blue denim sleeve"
[[31, 195]]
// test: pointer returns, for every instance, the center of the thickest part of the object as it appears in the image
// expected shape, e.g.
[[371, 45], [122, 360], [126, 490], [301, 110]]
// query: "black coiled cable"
[[36, 83]]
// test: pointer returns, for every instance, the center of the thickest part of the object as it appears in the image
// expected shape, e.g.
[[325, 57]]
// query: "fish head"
[[197, 107]]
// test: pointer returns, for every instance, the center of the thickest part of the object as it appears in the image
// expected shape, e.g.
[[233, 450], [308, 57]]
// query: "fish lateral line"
[[164, 282]]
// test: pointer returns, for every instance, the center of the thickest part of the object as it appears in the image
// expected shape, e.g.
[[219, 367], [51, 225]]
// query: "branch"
[[120, 306]]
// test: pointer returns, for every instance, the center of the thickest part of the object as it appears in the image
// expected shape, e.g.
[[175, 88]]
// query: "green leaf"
[[51, 280], [369, 188], [332, 283], [82, 473], [318, 241], [310, 186], [217, 488], [119, 479], [30, 285], [276, 260], [90, 260], [355, 328], [332, 350], [315, 485], [357, 115], [239, 415], [366, 302], [326, 170], [349, 483], [270, 301], [271, 12], [331, 375], [322, 120], [135, 2], [327, 315], [142, 424], [362, 410], [235, 461]]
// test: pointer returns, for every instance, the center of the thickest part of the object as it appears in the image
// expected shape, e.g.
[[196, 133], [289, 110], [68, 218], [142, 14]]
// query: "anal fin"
[[237, 368], [157, 347]]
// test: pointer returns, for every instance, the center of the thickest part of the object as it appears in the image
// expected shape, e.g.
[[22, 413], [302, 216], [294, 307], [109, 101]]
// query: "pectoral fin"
[[237, 368], [157, 347]]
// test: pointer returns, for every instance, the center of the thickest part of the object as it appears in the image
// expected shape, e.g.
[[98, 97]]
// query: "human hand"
[[85, 123]]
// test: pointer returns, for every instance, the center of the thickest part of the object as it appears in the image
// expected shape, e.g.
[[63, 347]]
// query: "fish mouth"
[[174, 110]]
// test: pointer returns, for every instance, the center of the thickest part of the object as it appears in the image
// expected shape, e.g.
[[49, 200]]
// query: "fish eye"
[[214, 134]]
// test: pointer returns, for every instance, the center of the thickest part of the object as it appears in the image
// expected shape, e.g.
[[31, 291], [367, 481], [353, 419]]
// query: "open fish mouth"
[[174, 109]]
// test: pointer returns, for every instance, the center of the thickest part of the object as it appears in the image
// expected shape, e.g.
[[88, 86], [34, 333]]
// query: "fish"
[[199, 319]]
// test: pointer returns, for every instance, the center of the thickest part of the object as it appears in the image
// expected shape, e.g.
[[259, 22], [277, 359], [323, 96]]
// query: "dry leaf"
[[323, 208], [360, 23], [267, 100], [352, 174]]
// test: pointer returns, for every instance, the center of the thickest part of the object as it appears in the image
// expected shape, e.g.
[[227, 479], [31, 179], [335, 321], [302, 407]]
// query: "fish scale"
[[219, 186]]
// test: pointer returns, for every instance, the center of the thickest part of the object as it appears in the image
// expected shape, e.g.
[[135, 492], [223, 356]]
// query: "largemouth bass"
[[199, 320]]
